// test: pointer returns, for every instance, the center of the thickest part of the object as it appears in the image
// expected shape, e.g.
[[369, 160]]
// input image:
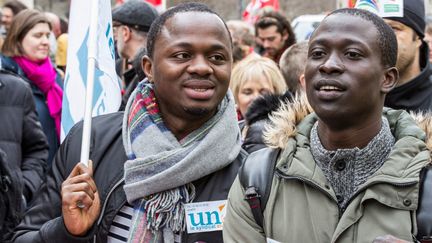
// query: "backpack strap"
[[424, 211], [256, 176]]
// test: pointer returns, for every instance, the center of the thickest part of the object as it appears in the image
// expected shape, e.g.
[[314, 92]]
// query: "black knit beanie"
[[414, 16]]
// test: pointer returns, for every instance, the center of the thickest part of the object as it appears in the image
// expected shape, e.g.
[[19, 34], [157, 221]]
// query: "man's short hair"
[[274, 18], [293, 63], [159, 23], [386, 37]]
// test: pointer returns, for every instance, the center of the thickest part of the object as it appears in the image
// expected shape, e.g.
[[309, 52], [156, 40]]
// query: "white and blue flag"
[[107, 89]]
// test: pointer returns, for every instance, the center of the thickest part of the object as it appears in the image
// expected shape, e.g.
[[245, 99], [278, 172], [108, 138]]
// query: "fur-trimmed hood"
[[262, 107], [256, 117], [283, 122]]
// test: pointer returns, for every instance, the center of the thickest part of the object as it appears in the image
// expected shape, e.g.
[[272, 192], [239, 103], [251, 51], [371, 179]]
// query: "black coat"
[[39, 99], [257, 117], [43, 222], [415, 95], [21, 135]]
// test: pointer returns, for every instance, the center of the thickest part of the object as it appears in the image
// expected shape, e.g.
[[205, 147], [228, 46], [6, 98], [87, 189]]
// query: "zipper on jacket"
[[107, 199], [309, 182], [314, 185], [105, 204], [341, 210]]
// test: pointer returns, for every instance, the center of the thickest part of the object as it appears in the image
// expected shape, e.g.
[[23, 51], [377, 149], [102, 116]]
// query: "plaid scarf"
[[160, 169]]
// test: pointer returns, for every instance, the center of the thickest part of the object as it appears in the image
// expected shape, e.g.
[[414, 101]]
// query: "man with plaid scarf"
[[160, 171]]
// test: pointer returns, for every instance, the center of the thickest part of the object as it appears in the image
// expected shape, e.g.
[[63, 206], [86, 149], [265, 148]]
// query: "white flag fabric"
[[107, 89]]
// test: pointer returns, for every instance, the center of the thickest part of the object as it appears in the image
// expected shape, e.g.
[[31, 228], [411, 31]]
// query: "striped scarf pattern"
[[160, 169], [144, 113]]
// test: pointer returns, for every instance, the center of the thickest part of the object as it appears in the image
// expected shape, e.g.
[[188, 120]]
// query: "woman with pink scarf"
[[26, 52]]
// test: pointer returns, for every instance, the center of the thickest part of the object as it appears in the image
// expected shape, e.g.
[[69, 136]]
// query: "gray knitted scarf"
[[160, 168], [348, 169]]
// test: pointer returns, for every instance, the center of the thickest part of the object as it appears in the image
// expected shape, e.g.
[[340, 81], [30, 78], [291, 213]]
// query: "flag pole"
[[85, 145]]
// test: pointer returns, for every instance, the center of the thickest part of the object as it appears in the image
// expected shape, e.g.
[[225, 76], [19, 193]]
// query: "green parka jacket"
[[302, 207]]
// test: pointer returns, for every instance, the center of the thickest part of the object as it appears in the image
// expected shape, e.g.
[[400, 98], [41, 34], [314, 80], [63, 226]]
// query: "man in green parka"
[[349, 171]]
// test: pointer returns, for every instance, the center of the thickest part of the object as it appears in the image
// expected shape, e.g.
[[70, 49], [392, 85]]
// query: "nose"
[[266, 43], [333, 64], [45, 39], [255, 95], [200, 65], [252, 97]]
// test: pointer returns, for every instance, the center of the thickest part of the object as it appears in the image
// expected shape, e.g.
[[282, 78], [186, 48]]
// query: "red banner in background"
[[155, 2], [351, 3], [158, 4], [252, 10]]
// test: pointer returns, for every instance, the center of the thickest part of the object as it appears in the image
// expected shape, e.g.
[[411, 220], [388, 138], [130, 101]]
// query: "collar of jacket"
[[408, 156], [129, 75]]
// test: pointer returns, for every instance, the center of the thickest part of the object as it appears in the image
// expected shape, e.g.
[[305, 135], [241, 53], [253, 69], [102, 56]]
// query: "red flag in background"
[[118, 2], [158, 4], [155, 2], [252, 10], [351, 3]]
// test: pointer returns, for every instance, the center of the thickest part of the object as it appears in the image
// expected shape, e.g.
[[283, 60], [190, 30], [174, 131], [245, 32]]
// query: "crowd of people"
[[227, 132]]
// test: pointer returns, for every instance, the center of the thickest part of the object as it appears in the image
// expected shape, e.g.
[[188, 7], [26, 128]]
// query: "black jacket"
[[44, 223], [39, 99], [415, 95], [132, 77], [257, 116], [21, 135]]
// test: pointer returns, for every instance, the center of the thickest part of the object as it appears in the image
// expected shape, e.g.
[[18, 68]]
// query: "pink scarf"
[[43, 75]]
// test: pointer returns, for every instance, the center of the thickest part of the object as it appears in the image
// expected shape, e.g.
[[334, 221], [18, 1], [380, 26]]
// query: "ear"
[[146, 65], [391, 78], [127, 33], [285, 35], [419, 42], [302, 81]]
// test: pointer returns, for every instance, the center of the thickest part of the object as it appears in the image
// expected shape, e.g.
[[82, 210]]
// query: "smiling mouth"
[[329, 88], [200, 90], [200, 93]]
